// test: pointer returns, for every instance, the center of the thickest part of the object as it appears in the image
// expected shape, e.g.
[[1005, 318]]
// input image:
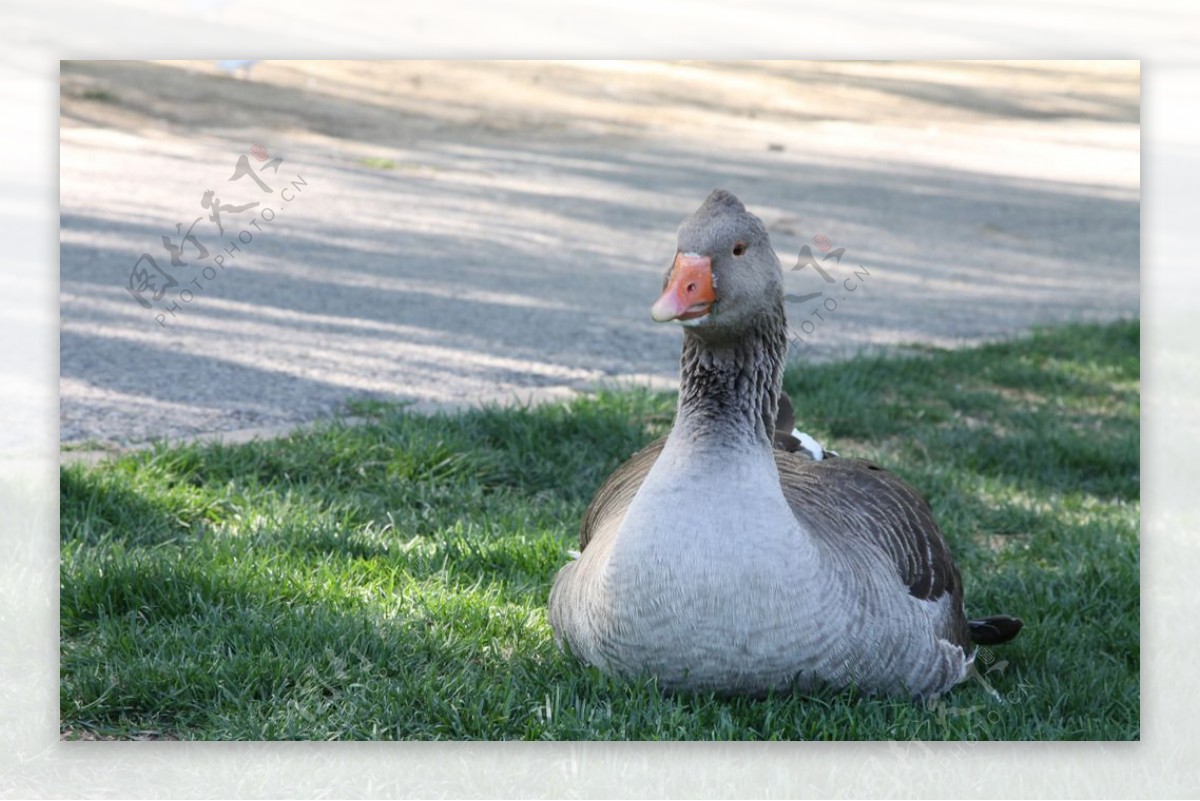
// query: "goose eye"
[[739, 248]]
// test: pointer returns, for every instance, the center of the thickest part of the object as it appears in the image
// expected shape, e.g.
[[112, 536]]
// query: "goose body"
[[730, 556]]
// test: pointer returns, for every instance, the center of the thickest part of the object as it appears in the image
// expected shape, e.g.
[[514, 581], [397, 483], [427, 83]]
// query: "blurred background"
[[451, 232]]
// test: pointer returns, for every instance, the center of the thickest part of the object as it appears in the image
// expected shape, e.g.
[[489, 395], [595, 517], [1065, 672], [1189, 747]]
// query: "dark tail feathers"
[[994, 630]]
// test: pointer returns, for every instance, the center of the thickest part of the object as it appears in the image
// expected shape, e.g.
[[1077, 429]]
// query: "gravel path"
[[456, 232]]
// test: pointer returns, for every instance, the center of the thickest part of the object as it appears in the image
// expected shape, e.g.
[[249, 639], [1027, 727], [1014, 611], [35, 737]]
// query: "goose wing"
[[857, 503]]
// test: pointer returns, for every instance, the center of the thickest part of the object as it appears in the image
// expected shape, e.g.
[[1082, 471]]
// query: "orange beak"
[[689, 293]]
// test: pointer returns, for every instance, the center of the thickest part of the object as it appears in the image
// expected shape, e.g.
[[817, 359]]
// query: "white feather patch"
[[809, 444]]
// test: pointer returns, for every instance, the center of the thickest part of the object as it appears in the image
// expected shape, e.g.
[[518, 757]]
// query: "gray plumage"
[[723, 557]]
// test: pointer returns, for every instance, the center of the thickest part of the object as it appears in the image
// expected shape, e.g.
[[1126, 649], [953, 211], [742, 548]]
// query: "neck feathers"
[[732, 390]]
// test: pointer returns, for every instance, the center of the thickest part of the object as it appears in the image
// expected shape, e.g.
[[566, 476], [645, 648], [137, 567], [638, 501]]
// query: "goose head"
[[726, 279]]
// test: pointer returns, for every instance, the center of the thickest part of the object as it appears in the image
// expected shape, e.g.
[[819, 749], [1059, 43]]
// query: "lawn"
[[389, 580]]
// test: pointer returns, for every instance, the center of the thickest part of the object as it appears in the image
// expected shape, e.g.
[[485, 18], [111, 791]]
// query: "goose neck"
[[729, 391]]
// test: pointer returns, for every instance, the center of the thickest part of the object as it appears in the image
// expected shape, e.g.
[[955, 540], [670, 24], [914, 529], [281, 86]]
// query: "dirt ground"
[[457, 232]]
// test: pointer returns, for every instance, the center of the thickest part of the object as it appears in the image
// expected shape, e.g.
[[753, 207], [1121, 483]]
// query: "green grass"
[[100, 95], [389, 580], [378, 163], [381, 163]]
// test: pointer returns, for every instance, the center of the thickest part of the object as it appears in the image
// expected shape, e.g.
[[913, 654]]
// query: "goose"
[[738, 557]]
